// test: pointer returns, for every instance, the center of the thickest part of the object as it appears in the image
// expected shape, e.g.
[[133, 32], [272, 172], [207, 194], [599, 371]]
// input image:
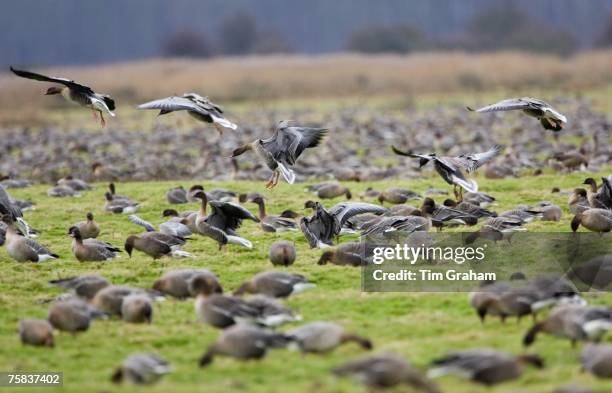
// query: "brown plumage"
[[282, 252], [597, 359], [72, 315], [137, 308], [595, 220], [322, 337], [275, 284], [89, 228], [179, 283], [346, 254], [37, 332]]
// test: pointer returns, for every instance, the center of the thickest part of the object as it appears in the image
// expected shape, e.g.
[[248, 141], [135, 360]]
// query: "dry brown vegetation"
[[247, 78]]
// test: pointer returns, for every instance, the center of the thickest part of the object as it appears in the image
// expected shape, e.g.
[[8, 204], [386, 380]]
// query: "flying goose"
[[137, 308], [37, 332], [322, 336], [83, 286], [72, 315], [385, 371], [171, 227], [282, 253], [142, 368], [485, 366], [244, 342], [272, 223], [281, 150], [597, 359], [450, 168], [324, 225], [176, 195], [178, 283], [89, 228], [197, 106], [574, 322], [223, 221], [74, 92], [156, 245], [599, 198], [91, 249], [23, 249], [119, 206], [546, 114], [595, 220], [275, 284]]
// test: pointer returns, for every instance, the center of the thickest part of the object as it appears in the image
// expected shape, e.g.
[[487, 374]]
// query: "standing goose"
[[599, 198], [272, 223], [137, 308], [72, 315], [282, 253], [275, 284], [176, 195], [346, 254], [321, 337], [597, 359], [595, 220], [485, 366], [385, 371], [156, 245], [8, 207], [324, 225], [197, 106], [450, 168], [223, 221], [171, 227], [330, 190], [37, 332], [91, 249], [179, 283], [244, 342], [578, 201], [89, 228], [545, 113], [119, 206], [74, 92], [281, 150], [113, 190], [141, 368], [23, 249]]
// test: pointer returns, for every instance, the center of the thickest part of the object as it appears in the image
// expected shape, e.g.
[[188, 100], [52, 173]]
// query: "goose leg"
[[219, 129], [270, 181], [276, 177], [102, 121], [94, 114]]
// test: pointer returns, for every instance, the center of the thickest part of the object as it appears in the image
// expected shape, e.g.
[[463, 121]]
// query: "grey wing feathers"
[[139, 221], [170, 104], [63, 81], [471, 162], [345, 210], [507, 105]]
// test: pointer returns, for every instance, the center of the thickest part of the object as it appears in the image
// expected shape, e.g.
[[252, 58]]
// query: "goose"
[[595, 220], [105, 172], [405, 224], [177, 228], [470, 208], [281, 150], [113, 190], [249, 196], [178, 283], [37, 332], [63, 192], [7, 182], [282, 252], [485, 366], [72, 315], [201, 108], [141, 368], [74, 92], [523, 213], [369, 193], [479, 198], [385, 371], [320, 229], [74, 183], [89, 228], [599, 198], [91, 249], [223, 221], [244, 342], [397, 196], [597, 359], [402, 210], [221, 311], [176, 195], [271, 312], [323, 336], [137, 308], [488, 292], [23, 249], [156, 245], [119, 206], [574, 322], [275, 284], [192, 191], [442, 216], [497, 228], [272, 223], [549, 117], [578, 201], [109, 300], [24, 205], [85, 286], [9, 208], [346, 254], [332, 190], [449, 168]]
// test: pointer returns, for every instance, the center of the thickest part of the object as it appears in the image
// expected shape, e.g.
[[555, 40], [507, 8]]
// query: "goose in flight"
[[550, 118], [449, 168], [197, 106], [281, 150], [74, 92]]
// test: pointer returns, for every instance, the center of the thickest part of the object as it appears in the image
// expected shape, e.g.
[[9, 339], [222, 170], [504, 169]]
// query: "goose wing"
[[63, 81], [471, 162], [345, 210], [171, 104], [134, 219], [511, 104]]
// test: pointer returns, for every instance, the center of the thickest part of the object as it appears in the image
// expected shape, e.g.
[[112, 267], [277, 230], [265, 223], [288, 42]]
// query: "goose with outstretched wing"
[[281, 150], [549, 117], [74, 92], [450, 168], [197, 106]]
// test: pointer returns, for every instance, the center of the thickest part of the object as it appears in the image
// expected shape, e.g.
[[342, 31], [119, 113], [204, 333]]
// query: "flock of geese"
[[249, 316]]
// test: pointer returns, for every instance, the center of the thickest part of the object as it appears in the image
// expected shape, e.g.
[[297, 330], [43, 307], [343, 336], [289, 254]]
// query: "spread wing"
[[171, 104], [345, 210], [288, 143], [471, 162], [511, 104], [63, 81]]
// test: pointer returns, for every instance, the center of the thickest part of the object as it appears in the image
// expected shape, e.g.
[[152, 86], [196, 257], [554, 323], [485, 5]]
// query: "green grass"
[[419, 326]]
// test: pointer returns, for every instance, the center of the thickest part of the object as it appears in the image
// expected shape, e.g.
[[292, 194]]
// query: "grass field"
[[419, 326]]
